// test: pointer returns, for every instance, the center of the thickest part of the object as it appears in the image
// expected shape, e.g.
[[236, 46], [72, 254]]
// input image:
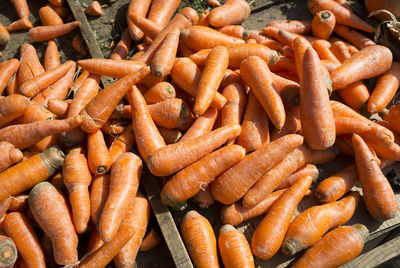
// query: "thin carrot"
[[12, 107], [7, 70], [307, 170], [292, 124], [204, 198], [136, 9], [236, 31], [8, 252], [112, 68], [121, 50], [4, 35], [282, 36], [270, 233], [79, 45], [149, 28], [201, 126], [163, 59], [245, 173], [44, 33], [357, 39], [49, 17], [336, 248], [21, 24], [51, 57], [94, 9], [84, 94], [9, 155], [231, 12], [122, 144], [151, 240], [293, 26], [324, 53], [323, 24], [343, 15], [99, 191], [79, 81], [161, 11], [95, 241]]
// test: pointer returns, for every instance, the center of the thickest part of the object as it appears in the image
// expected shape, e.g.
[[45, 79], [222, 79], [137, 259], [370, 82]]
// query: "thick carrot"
[[245, 173], [141, 215], [51, 57], [256, 74], [63, 12], [21, 24], [197, 176], [234, 248], [307, 170], [124, 182], [292, 124], [392, 117], [347, 125], [151, 240], [59, 107], [30, 65], [161, 11], [44, 33], [231, 77], [112, 68], [7, 70], [9, 155], [18, 228], [270, 233], [187, 76], [49, 17], [21, 7], [231, 12], [99, 190], [343, 15], [98, 156], [12, 107], [136, 8], [235, 214], [175, 157], [8, 252], [284, 64], [121, 50], [355, 95], [289, 90], [79, 45], [378, 195], [237, 31], [199, 238], [336, 248], [163, 59], [160, 92], [94, 9], [357, 39], [323, 24], [49, 208], [204, 198], [201, 126]]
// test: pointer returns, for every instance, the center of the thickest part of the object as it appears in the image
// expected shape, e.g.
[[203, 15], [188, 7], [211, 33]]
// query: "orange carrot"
[[193, 178], [293, 26], [256, 74], [161, 11], [270, 233], [9, 155], [323, 24], [347, 125], [200, 56], [4, 35], [12, 87], [284, 64], [170, 135], [355, 95], [121, 50], [213, 3], [357, 39], [44, 33], [307, 170], [236, 31], [12, 107], [136, 9], [94, 9], [58, 3], [160, 92], [163, 59], [234, 248], [151, 240], [231, 77], [21, 7], [49, 208], [51, 57], [79, 81], [324, 53], [30, 65], [95, 241], [63, 12], [7, 70], [59, 107], [8, 252], [79, 45], [98, 156], [98, 195], [288, 90], [336, 248], [122, 144], [124, 182], [378, 195], [231, 12], [21, 232], [245, 173], [343, 15], [204, 198], [49, 17], [112, 68], [201, 126], [282, 36], [340, 50], [292, 124], [148, 27], [84, 94], [392, 117], [199, 239], [19, 203], [21, 24]]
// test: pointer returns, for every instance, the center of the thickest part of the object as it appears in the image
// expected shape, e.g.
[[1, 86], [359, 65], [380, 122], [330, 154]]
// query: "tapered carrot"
[[122, 144], [213, 3], [21, 7], [237, 31], [30, 65], [9, 155], [79, 80], [197, 176], [378, 195], [44, 33], [49, 208], [307, 170], [99, 190], [336, 248], [163, 59], [121, 50], [12, 107], [8, 252], [343, 15], [284, 64], [201, 126], [79, 45], [95, 241], [292, 124], [204, 198], [51, 57], [234, 248], [33, 86], [63, 12], [392, 117], [7, 70], [151, 240], [4, 35], [347, 125], [164, 161], [112, 68], [124, 182], [84, 94], [323, 24], [49, 17], [231, 77], [21, 24], [21, 232], [141, 214], [245, 173], [357, 39], [256, 74], [94, 9], [270, 233], [98, 156], [293, 26], [199, 239], [136, 9], [231, 12], [187, 75]]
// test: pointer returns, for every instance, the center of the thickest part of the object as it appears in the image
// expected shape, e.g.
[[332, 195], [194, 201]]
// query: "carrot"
[[287, 89], [51, 57], [30, 65], [378, 195], [12, 107], [79, 81], [282, 36], [197, 176], [164, 161], [9, 155], [151, 240], [200, 241], [347, 125], [231, 12], [99, 191], [340, 50], [94, 9], [307, 170], [292, 124], [84, 94], [33, 86], [235, 214], [163, 59], [21, 24], [385, 89], [256, 74], [141, 214], [59, 107], [204, 198], [392, 117], [46, 205], [245, 173], [324, 53], [95, 241], [44, 33], [8, 252], [98, 156], [4, 35], [21, 232], [160, 92], [335, 248], [201, 126], [213, 3], [284, 64], [149, 28], [58, 3], [200, 56], [261, 39], [231, 77], [293, 26], [187, 76], [121, 50], [183, 19], [343, 15], [171, 113], [124, 182], [112, 68], [63, 12], [79, 45], [236, 31], [234, 248], [270, 233], [21, 7], [323, 24], [12, 87], [170, 135], [49, 17], [19, 203], [7, 70], [159, 14], [122, 144], [355, 95], [357, 39], [136, 9]]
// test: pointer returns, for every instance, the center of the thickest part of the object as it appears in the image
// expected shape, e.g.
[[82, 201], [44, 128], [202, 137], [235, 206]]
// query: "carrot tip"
[[291, 247], [101, 169]]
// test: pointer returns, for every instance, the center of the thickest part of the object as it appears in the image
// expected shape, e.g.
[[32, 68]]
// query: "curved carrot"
[[293, 26], [340, 50], [204, 198], [270, 233], [138, 9], [355, 38], [292, 124], [148, 27], [21, 232], [8, 251], [201, 126], [161, 11], [231, 12], [9, 155], [49, 207], [336, 248], [21, 24], [12, 107], [245, 173], [44, 33], [79, 80], [51, 57], [109, 67], [323, 24], [307, 170], [121, 50], [200, 240], [151, 240], [234, 248], [163, 60], [49, 17], [393, 116], [160, 92], [124, 182], [232, 30], [7, 70]]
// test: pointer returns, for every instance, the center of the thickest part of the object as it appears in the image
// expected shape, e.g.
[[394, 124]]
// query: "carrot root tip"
[[291, 247], [101, 169]]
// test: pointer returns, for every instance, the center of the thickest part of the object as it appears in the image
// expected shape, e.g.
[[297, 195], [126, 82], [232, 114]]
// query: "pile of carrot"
[[220, 113]]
